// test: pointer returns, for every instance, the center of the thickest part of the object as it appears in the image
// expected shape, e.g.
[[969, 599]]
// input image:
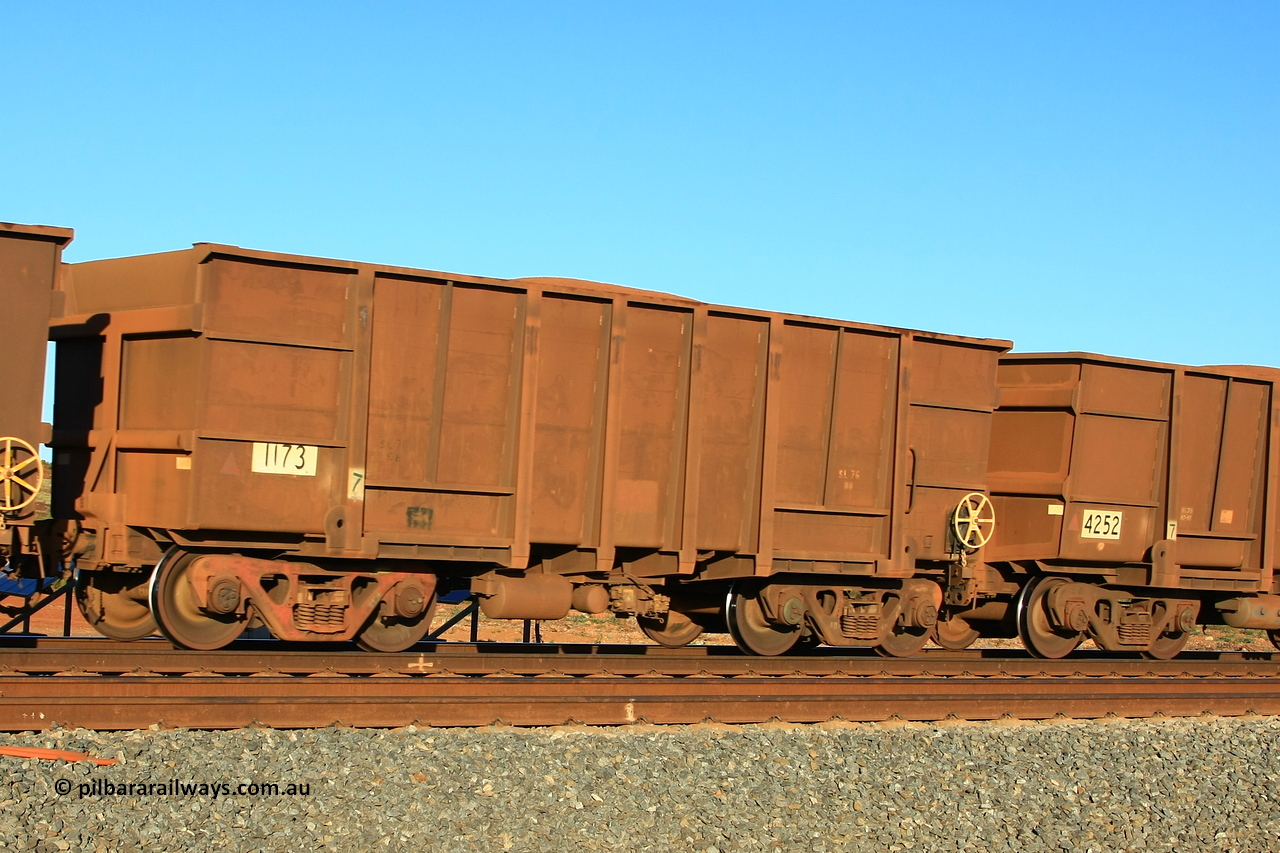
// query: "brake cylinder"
[[1259, 611], [528, 597]]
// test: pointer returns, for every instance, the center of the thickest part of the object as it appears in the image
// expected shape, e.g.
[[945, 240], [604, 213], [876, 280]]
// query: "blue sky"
[[1075, 175]]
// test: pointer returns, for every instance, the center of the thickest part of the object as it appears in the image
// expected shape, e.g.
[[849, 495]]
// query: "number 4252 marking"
[[1100, 524]]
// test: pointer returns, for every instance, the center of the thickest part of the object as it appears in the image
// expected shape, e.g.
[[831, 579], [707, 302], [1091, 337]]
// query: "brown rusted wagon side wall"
[[642, 430], [1230, 404], [351, 410], [29, 260], [1181, 456], [194, 357]]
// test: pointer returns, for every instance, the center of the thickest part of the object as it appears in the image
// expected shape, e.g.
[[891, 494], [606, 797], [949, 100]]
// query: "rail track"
[[104, 685]]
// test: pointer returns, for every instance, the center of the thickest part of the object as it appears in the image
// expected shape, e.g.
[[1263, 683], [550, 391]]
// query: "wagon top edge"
[[53, 233], [1250, 371], [201, 253]]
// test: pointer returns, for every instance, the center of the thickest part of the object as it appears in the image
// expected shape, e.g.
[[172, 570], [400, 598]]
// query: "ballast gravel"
[[1149, 785]]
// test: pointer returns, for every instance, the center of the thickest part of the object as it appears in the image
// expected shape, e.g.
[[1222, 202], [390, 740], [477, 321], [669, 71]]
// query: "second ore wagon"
[[1136, 500]]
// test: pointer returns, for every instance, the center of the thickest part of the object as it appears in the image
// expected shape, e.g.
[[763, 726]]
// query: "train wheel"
[[1167, 646], [178, 612], [903, 641], [750, 629], [955, 634], [899, 640], [395, 633], [674, 631], [1274, 636], [1039, 636], [115, 605]]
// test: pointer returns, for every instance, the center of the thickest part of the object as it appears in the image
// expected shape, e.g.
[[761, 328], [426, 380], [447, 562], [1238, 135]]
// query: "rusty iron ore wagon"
[[320, 446], [30, 262], [1136, 500]]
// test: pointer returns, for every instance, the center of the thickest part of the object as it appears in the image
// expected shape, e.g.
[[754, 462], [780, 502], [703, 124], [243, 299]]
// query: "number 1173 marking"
[[296, 459]]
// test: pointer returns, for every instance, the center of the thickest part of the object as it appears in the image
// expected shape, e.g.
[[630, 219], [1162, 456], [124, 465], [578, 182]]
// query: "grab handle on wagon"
[[911, 495]]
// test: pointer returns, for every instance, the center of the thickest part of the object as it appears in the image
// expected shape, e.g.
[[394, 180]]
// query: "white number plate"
[[1101, 524], [296, 459]]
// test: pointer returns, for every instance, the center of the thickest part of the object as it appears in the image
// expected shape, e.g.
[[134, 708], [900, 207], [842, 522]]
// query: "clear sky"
[[1069, 175]]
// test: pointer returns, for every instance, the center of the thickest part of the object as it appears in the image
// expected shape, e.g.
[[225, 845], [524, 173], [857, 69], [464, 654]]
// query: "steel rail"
[[130, 686], [214, 702], [107, 658]]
